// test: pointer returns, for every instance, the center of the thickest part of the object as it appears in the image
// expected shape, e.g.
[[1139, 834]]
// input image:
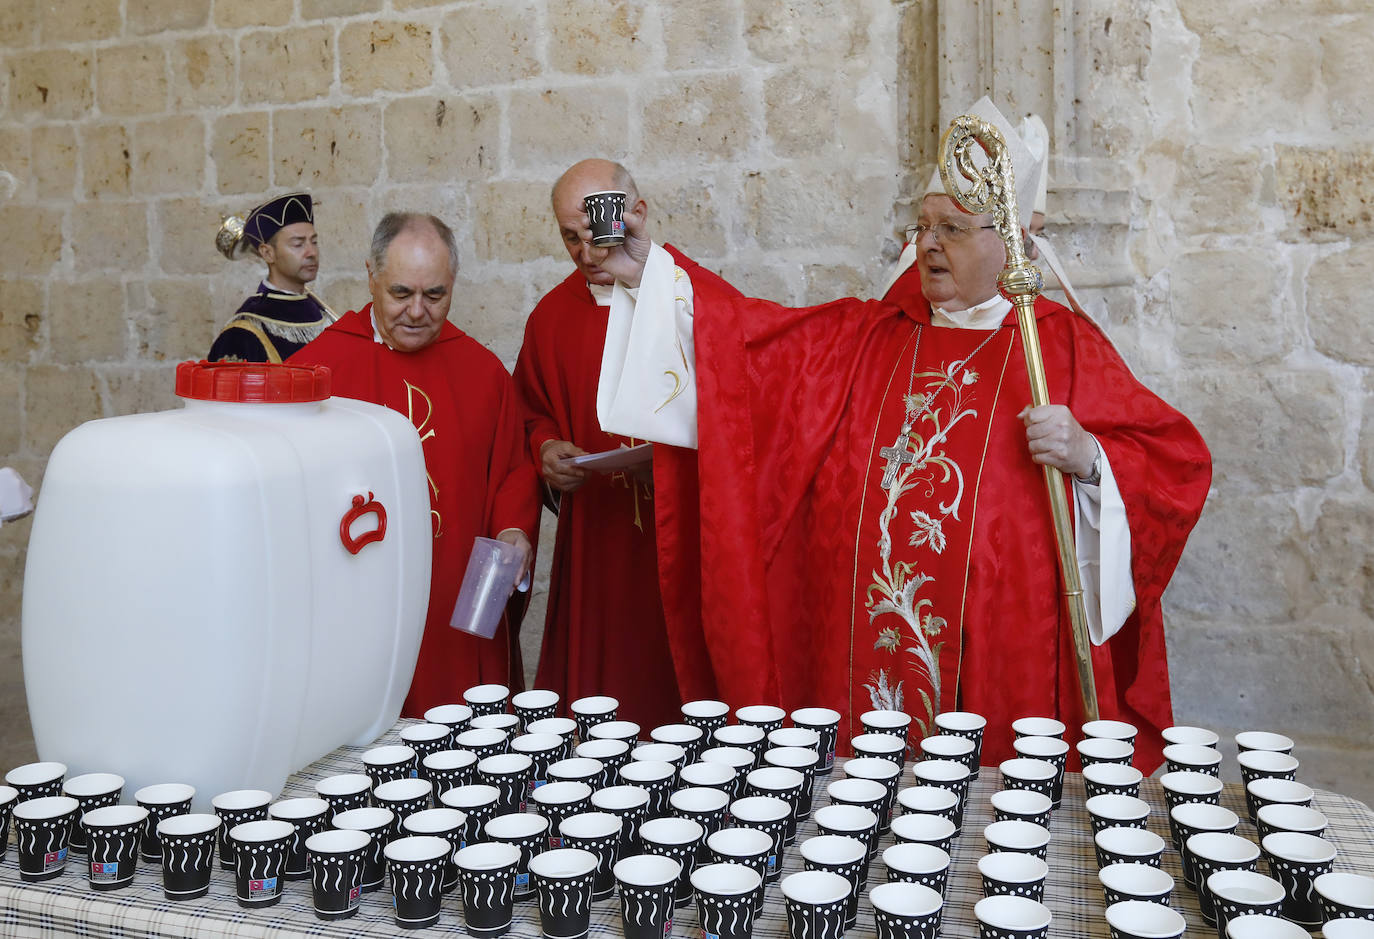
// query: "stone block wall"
[[1210, 188]]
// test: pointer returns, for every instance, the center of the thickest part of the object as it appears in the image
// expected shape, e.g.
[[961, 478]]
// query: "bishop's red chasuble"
[[464, 406], [605, 631], [874, 533]]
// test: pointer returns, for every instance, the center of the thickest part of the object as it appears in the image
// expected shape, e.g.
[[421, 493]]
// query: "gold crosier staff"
[[993, 190]]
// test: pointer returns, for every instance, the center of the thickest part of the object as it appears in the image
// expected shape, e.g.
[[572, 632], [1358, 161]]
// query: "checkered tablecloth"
[[68, 906]]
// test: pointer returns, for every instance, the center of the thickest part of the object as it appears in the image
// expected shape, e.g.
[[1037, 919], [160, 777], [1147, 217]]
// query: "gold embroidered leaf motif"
[[928, 531], [889, 639]]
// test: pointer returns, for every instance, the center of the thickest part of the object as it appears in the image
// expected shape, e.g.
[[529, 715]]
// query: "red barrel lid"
[[252, 381]]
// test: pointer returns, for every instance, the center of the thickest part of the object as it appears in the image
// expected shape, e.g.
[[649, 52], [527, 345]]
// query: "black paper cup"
[[689, 738], [745, 846], [670, 753], [1025, 773], [1184, 733], [598, 833], [706, 715], [606, 212], [841, 855], [803, 760], [236, 808], [260, 850], [557, 801], [1011, 873], [337, 861], [1281, 817], [1103, 750], [1135, 881], [309, 816], [583, 769], [486, 873], [1263, 792], [1111, 730], [626, 731], [564, 728], [703, 805], [1011, 918], [737, 759], [1116, 812], [941, 746], [918, 828], [528, 832], [630, 804], [404, 797], [92, 791], [864, 793], [1194, 818], [917, 863], [906, 911], [742, 736], [883, 771], [1243, 893], [826, 722], [1248, 740], [114, 832], [929, 800], [882, 746], [534, 705], [345, 791], [510, 773], [443, 823], [896, 723], [381, 825], [968, 725], [1020, 837], [1296, 861], [769, 815], [543, 749], [390, 762], [592, 710], [477, 802], [563, 878], [725, 899], [37, 780], [766, 717], [855, 821], [425, 739], [786, 784], [1038, 727], [188, 845], [1264, 764], [679, 839], [509, 724], [1344, 895], [1253, 926], [1135, 919], [1050, 749], [612, 754], [416, 865], [1215, 851], [816, 903], [648, 888], [456, 716], [9, 798], [946, 774], [449, 769], [1127, 845], [1023, 805], [657, 778], [487, 699], [483, 742], [1112, 779], [163, 801], [1187, 786], [1192, 758]]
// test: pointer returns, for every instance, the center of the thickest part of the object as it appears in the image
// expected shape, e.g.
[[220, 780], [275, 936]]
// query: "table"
[[67, 905]]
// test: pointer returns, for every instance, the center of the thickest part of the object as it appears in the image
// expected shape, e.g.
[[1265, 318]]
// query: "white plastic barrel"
[[221, 594]]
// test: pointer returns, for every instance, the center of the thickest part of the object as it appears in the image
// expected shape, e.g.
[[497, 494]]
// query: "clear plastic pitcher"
[[487, 585]]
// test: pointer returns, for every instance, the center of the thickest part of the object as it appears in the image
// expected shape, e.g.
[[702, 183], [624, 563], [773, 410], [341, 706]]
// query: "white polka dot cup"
[[1018, 836], [416, 866], [686, 736], [1192, 758], [380, 824], [163, 801], [592, 710], [1110, 730], [394, 761], [825, 722], [529, 833], [1344, 895], [92, 791], [1053, 751], [477, 802], [1135, 919], [563, 878], [606, 211], [1216, 851], [37, 780], [598, 833], [725, 899], [630, 804], [1111, 779], [1194, 818], [560, 800], [747, 846], [487, 699], [1010, 873], [1242, 893], [679, 839], [114, 832], [1198, 736], [764, 716], [1135, 881], [1116, 811], [816, 903], [1281, 817], [968, 725], [1022, 805], [841, 855], [1254, 926], [1296, 861], [707, 715], [337, 859], [443, 823], [648, 884], [188, 854], [309, 816], [260, 851], [235, 808], [906, 911], [487, 873], [1127, 845], [534, 705], [1248, 740], [917, 863], [1038, 727], [1100, 750], [1008, 917], [456, 716]]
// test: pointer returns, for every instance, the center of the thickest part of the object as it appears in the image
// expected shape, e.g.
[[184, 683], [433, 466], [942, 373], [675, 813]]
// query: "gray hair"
[[393, 223], [620, 179]]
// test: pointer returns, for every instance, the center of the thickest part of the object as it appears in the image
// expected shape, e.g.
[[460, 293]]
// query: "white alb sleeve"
[[1103, 540]]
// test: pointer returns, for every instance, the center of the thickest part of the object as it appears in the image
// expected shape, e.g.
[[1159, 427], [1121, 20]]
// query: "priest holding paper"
[[874, 529], [604, 633]]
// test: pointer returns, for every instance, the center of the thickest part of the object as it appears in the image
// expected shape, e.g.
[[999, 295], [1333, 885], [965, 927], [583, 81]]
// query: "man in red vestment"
[[604, 632], [874, 527], [400, 351]]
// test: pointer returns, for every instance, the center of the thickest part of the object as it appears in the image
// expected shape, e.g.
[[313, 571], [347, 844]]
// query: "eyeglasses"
[[944, 232]]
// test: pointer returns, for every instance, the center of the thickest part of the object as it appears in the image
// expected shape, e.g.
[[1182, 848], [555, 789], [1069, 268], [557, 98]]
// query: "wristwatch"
[[1094, 478]]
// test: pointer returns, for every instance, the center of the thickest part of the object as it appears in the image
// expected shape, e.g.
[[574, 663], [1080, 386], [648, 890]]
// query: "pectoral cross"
[[896, 455]]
